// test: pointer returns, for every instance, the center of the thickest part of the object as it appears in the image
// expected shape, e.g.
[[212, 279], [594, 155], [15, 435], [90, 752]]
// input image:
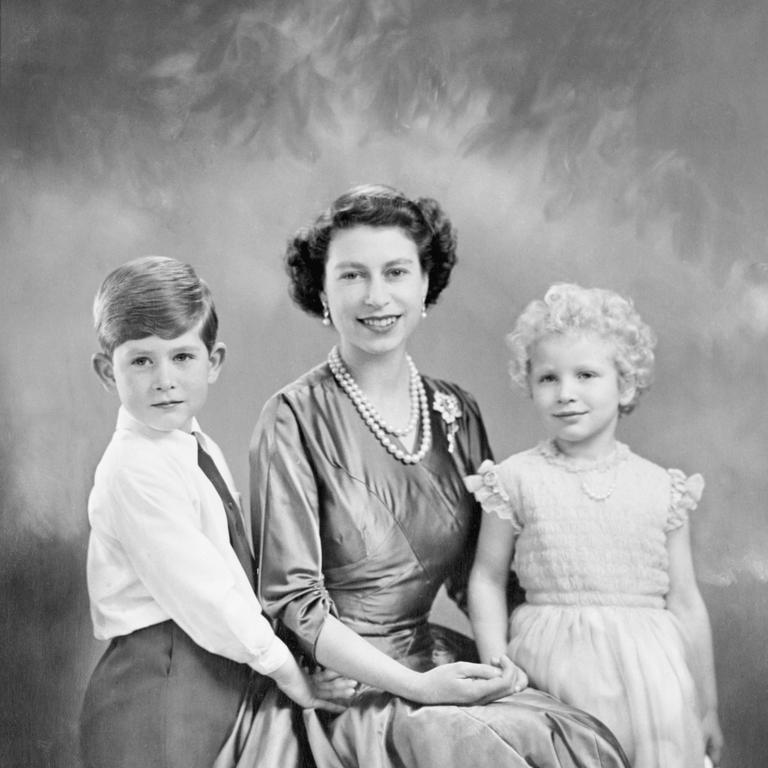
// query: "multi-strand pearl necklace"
[[374, 420]]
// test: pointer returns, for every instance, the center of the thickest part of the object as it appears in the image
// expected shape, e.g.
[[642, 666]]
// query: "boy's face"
[[162, 382]]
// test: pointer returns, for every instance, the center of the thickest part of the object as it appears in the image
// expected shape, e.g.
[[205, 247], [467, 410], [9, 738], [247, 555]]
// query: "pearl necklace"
[[594, 495], [372, 418], [555, 456]]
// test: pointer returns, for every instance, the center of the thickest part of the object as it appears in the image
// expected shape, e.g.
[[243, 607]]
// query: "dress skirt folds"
[[345, 529], [380, 730]]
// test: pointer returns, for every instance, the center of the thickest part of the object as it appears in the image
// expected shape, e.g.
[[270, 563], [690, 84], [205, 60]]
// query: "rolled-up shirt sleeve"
[[286, 525], [147, 510]]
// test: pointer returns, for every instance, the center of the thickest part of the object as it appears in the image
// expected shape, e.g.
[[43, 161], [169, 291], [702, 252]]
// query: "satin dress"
[[343, 528]]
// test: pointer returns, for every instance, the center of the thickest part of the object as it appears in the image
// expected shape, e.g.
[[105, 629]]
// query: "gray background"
[[614, 143]]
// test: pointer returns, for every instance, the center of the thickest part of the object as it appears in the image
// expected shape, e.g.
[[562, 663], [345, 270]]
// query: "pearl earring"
[[424, 308], [326, 315]]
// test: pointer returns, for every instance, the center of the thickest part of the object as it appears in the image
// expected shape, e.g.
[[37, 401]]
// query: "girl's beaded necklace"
[[374, 420], [555, 456], [595, 495]]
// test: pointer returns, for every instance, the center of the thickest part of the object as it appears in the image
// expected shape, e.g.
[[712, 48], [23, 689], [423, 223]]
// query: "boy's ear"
[[104, 369], [216, 361]]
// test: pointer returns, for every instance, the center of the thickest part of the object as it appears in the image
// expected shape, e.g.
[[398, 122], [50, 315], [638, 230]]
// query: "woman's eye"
[[547, 378], [397, 272], [349, 275], [587, 375]]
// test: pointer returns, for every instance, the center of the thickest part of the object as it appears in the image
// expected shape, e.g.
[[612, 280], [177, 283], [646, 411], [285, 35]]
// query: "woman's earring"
[[326, 315], [424, 308]]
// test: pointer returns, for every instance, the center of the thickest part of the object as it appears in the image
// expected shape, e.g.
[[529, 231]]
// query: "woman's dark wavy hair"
[[373, 205]]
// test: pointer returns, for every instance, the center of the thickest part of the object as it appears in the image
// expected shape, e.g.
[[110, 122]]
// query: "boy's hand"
[[296, 685], [331, 686]]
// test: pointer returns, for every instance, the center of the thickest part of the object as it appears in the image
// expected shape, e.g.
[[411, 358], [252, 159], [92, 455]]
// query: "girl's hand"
[[465, 683], [331, 686], [713, 737], [296, 685], [520, 677]]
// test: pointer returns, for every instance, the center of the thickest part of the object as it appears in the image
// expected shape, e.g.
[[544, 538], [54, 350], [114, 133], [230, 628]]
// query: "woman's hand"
[[332, 686], [296, 685], [467, 683]]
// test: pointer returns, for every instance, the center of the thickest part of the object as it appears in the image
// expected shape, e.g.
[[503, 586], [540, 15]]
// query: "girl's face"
[[576, 390], [374, 289]]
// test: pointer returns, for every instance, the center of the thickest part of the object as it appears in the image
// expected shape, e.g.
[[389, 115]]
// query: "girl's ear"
[[627, 391], [216, 361], [102, 366]]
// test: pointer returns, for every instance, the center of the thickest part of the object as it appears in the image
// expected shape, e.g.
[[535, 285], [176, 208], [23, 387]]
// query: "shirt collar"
[[126, 421]]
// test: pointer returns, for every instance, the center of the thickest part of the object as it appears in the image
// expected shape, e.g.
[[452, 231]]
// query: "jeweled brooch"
[[448, 407]]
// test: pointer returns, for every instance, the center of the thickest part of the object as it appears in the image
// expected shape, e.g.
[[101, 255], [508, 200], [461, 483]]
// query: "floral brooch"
[[448, 407]]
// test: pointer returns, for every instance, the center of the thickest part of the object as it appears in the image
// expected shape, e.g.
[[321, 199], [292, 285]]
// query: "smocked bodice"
[[588, 533]]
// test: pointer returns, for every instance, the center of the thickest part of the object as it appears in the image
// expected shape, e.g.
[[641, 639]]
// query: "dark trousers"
[[158, 700]]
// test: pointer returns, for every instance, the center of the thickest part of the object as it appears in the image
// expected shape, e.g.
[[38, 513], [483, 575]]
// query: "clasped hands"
[[460, 682]]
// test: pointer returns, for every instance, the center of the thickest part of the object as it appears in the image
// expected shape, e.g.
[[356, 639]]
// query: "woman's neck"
[[380, 377]]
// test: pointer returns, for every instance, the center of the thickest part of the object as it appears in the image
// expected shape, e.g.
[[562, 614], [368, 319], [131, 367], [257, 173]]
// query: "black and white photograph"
[[384, 383]]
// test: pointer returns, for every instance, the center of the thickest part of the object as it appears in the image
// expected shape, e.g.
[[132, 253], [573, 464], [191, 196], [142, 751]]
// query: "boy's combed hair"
[[153, 296], [568, 308]]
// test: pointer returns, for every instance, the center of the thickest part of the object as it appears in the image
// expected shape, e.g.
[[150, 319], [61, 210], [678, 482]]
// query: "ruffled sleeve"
[[685, 494], [489, 491]]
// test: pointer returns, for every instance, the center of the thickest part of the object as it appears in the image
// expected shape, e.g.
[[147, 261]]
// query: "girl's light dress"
[[594, 630]]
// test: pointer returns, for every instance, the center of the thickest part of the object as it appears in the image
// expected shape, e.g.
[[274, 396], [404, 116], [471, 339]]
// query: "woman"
[[360, 514]]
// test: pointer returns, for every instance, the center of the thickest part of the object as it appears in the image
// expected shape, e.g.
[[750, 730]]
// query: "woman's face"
[[374, 289]]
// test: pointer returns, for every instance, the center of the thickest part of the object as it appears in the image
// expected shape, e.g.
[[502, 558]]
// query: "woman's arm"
[[341, 649], [685, 602], [488, 610]]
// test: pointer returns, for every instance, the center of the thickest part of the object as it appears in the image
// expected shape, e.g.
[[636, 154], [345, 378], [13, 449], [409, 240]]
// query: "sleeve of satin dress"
[[285, 517], [472, 449]]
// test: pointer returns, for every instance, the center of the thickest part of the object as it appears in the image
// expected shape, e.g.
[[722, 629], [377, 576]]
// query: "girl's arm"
[[685, 602], [488, 610]]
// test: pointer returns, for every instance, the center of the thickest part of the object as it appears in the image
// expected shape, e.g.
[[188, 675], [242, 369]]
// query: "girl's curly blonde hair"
[[569, 308]]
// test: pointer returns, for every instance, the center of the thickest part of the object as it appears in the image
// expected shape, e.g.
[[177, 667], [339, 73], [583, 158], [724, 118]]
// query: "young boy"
[[170, 573]]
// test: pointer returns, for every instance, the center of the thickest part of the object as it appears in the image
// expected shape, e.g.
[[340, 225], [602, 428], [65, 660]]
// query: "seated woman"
[[360, 515]]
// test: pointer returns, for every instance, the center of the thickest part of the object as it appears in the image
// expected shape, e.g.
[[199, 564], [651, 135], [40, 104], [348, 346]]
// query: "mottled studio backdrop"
[[620, 143]]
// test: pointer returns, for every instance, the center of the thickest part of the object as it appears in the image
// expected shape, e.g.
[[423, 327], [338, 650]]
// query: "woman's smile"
[[374, 289], [379, 324]]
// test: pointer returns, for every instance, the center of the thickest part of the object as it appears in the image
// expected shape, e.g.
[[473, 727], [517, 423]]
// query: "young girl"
[[613, 620]]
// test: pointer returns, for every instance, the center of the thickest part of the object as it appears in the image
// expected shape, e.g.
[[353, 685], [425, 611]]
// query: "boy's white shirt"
[[159, 548]]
